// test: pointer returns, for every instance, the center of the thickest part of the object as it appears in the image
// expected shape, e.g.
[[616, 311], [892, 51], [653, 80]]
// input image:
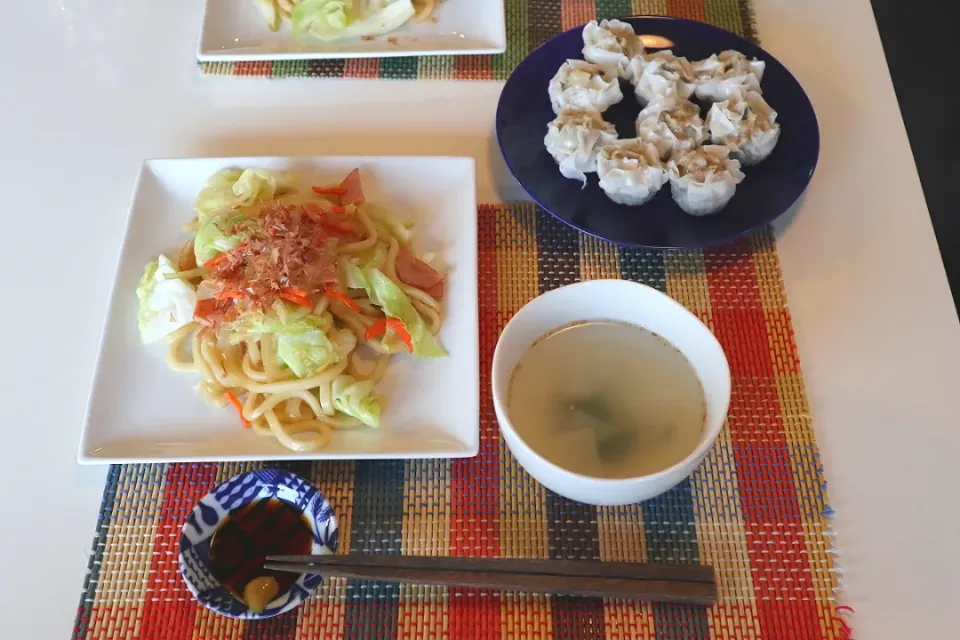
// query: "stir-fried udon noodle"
[[289, 303]]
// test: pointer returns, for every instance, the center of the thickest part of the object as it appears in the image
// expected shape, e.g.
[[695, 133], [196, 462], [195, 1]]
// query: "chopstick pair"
[[687, 584]]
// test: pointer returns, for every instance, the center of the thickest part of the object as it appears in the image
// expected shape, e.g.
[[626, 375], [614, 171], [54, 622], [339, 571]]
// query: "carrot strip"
[[338, 210], [376, 330], [339, 295], [295, 299], [296, 292], [401, 331], [236, 405], [330, 191], [213, 262], [380, 327], [204, 308]]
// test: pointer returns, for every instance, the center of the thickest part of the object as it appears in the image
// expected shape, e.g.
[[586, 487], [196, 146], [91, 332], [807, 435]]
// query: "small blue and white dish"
[[769, 190], [235, 494]]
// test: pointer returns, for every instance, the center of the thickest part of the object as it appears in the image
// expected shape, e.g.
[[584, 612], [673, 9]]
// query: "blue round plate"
[[769, 189], [236, 493]]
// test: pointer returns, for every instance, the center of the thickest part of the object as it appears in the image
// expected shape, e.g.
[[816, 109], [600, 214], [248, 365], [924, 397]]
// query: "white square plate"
[[234, 30], [141, 411]]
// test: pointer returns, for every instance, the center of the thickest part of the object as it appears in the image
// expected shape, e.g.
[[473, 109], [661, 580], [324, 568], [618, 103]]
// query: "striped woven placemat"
[[529, 23], [755, 509]]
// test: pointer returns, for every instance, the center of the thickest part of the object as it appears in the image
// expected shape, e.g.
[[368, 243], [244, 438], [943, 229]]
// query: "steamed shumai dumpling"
[[610, 42], [703, 180], [746, 124], [584, 85], [673, 126], [721, 74], [573, 139], [630, 171], [661, 75]]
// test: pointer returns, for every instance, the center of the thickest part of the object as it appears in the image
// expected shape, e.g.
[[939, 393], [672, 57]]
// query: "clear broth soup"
[[607, 400]]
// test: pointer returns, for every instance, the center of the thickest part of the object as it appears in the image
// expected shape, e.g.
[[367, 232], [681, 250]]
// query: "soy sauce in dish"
[[242, 543]]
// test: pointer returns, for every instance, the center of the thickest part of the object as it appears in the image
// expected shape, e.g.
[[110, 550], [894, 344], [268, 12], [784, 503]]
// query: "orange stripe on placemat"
[[209, 624], [692, 9], [262, 68], [734, 621], [472, 68], [576, 12], [628, 620], [362, 68], [526, 615], [423, 615], [170, 610], [322, 617]]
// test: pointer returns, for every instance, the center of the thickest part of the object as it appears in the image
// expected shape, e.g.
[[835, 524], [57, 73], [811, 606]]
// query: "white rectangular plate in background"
[[234, 30], [141, 411]]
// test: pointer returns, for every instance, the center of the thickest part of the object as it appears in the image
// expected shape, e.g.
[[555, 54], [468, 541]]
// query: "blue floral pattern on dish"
[[235, 493]]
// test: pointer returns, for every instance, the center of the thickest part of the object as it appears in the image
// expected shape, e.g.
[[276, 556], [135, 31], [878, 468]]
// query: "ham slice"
[[419, 274], [353, 190]]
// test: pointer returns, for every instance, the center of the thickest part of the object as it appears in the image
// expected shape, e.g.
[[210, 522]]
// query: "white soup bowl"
[[618, 301]]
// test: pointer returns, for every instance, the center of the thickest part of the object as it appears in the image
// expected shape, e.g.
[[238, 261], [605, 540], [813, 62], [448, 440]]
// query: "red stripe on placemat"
[[778, 553], [474, 614], [733, 275], [576, 12], [475, 482], [169, 609], [692, 9], [744, 330], [738, 310], [473, 68], [362, 68], [261, 68]]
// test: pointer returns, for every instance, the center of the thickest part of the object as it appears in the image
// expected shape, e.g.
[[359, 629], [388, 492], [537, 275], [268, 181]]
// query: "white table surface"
[[90, 88]]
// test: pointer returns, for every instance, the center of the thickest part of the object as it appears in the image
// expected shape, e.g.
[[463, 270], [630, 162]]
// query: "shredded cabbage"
[[233, 188], [166, 304], [395, 303], [335, 19], [302, 343], [374, 257], [351, 269], [351, 275], [218, 194], [214, 234], [259, 185], [356, 399]]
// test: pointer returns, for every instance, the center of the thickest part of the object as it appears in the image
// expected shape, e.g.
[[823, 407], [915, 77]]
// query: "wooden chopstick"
[[689, 584]]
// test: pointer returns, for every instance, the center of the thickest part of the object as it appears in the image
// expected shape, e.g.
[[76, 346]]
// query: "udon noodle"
[[424, 9], [246, 367]]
